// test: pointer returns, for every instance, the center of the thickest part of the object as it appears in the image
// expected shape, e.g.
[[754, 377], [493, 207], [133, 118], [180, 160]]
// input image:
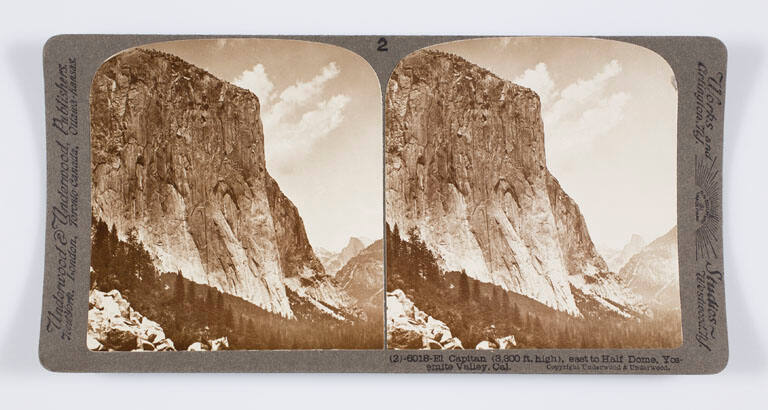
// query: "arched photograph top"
[[236, 198], [531, 198]]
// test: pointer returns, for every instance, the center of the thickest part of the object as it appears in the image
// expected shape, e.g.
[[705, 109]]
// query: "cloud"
[[300, 91], [580, 95], [538, 80], [296, 117], [581, 90], [294, 96], [578, 114], [257, 81], [289, 141], [588, 125]]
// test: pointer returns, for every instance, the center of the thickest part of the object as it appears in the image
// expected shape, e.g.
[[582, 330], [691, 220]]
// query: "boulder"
[[122, 304], [404, 338], [120, 337], [93, 344], [432, 344], [453, 344], [165, 345], [146, 345], [152, 330], [506, 342], [197, 347], [486, 345], [221, 343], [443, 337]]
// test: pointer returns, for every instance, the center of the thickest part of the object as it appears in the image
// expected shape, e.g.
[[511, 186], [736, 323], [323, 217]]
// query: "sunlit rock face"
[[178, 161], [466, 171]]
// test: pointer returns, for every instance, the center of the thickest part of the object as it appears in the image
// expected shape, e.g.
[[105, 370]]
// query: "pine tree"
[[219, 313], [113, 241], [229, 319], [180, 291], [562, 339], [394, 239], [209, 305], [100, 250], [416, 257], [517, 318], [464, 286], [249, 327], [504, 303], [475, 291]]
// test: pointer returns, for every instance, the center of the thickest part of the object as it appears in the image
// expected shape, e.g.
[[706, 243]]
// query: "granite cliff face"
[[178, 163], [653, 273], [466, 169], [296, 255]]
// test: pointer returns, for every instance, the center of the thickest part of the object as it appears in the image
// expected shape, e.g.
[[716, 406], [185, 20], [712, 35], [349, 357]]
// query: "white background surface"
[[25, 25]]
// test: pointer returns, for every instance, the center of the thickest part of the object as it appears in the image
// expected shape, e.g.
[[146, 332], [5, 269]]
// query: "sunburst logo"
[[707, 203]]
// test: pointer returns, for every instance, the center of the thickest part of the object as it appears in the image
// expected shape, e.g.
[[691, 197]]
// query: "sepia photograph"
[[428, 205], [530, 190], [236, 198]]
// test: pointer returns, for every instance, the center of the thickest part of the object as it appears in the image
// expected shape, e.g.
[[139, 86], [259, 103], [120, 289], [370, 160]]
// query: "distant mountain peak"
[[653, 272], [617, 258], [366, 240], [362, 277], [354, 246], [635, 240], [354, 242], [333, 262]]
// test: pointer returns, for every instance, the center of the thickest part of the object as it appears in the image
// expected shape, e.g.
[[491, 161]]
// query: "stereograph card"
[[433, 204]]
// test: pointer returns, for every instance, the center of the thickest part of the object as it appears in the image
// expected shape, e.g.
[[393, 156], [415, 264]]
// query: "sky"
[[321, 111], [610, 123]]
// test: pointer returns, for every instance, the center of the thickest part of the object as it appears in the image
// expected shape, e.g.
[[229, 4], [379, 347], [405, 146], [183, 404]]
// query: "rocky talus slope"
[[114, 325], [466, 170], [178, 161], [410, 328]]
